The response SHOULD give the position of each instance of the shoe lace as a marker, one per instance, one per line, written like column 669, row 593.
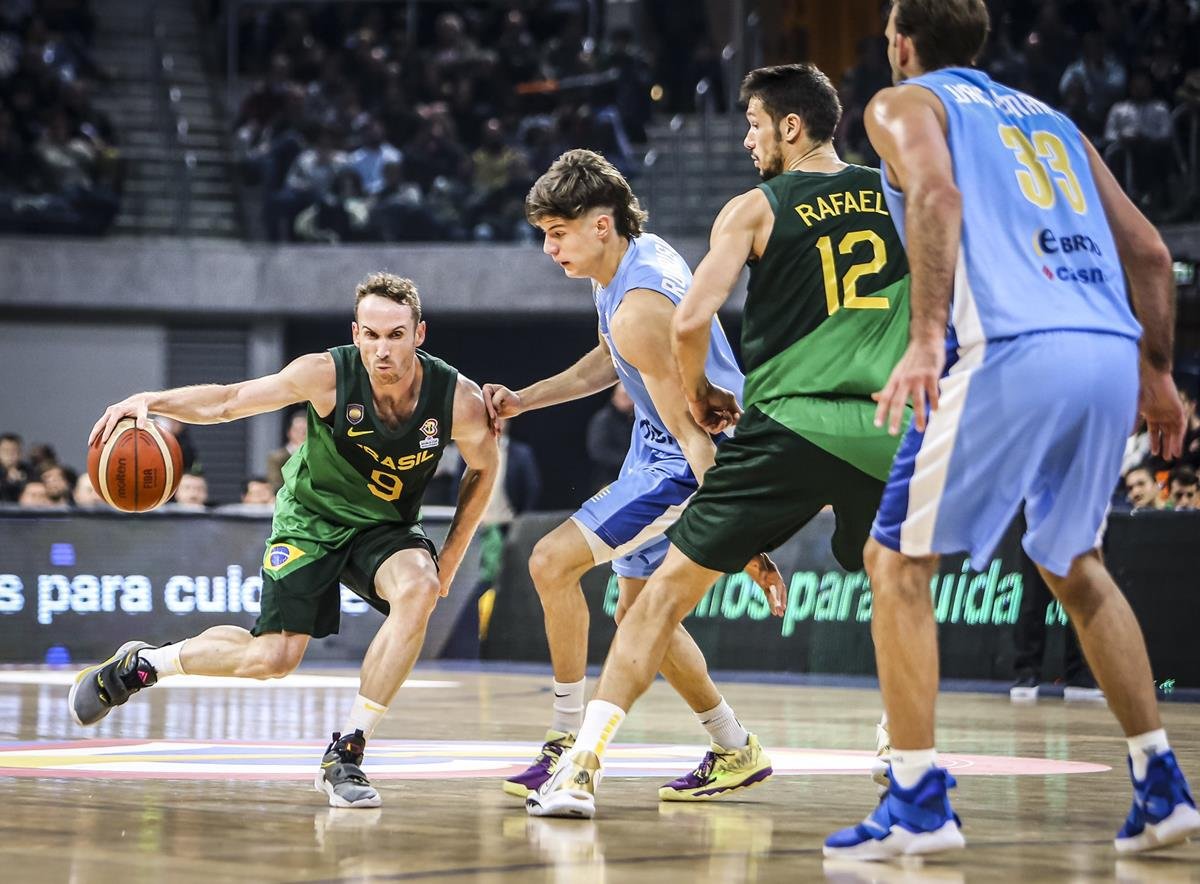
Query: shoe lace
column 704, row 769
column 551, row 752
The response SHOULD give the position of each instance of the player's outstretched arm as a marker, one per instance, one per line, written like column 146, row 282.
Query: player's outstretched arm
column 905, row 127
column 477, row 444
column 591, row 374
column 737, row 235
column 1147, row 263
column 310, row 378
column 641, row 330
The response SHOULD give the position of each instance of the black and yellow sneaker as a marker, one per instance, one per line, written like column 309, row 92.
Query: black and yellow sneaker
column 99, row 688
column 341, row 776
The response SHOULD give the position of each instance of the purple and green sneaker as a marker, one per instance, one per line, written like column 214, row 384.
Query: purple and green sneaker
column 720, row 772
column 531, row 779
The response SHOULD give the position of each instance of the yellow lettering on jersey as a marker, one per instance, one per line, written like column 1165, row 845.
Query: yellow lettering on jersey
column 851, row 205
column 388, row 462
column 807, row 215
column 368, row 450
column 826, row 209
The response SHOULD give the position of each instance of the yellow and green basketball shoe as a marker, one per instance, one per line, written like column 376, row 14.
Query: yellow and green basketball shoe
column 720, row 772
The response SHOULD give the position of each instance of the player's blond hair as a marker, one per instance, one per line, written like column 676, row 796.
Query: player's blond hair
column 582, row 180
column 394, row 288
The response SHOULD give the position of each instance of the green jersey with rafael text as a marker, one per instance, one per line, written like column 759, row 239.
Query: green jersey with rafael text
column 354, row 471
column 827, row 312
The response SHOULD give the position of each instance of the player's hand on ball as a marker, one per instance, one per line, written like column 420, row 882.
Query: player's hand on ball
column 765, row 573
column 136, row 407
column 716, row 409
column 915, row 377
column 501, row 403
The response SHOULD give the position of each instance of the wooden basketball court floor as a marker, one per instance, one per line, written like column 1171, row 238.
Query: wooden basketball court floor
column 191, row 783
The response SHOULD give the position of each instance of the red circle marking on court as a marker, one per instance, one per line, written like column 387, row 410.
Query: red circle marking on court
column 432, row 759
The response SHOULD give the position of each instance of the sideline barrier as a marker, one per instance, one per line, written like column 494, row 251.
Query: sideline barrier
column 86, row 582
column 1155, row 558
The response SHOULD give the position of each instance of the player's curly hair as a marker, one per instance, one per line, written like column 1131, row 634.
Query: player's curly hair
column 582, row 180
column 394, row 288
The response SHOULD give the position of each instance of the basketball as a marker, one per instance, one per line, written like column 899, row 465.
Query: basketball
column 136, row 470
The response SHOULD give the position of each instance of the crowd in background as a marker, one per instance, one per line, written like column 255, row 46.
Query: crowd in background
column 353, row 130
column 1120, row 70
column 59, row 166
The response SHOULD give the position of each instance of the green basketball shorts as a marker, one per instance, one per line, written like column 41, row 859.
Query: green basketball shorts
column 300, row 591
column 767, row 483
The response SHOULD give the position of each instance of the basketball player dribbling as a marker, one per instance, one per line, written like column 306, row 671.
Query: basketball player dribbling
column 380, row 414
column 1024, row 367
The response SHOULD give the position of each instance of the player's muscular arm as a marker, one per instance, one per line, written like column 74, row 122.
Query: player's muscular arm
column 641, row 328
column 591, row 374
column 737, row 236
column 478, row 447
column 310, row 378
column 1147, row 263
column 905, row 126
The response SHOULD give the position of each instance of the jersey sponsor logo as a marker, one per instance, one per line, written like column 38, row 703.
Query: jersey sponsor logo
column 430, row 429
column 653, row 434
column 1047, row 243
column 407, row 462
column 355, row 413
column 354, row 432
column 280, row 555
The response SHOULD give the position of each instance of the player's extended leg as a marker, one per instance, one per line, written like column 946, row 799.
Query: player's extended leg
column 1164, row 811
column 636, row 656
column 219, row 650
column 914, row 816
column 408, row 582
column 735, row 759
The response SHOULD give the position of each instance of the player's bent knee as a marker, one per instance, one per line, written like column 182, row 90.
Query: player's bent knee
column 277, row 659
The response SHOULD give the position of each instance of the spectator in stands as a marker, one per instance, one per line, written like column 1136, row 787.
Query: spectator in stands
column 41, row 456
column 34, row 496
column 608, row 432
column 500, row 180
column 370, row 159
column 1142, row 491
column 59, row 482
column 1185, row 489
column 1191, row 434
column 296, row 433
column 1099, row 72
column 14, row 472
column 192, row 492
column 310, row 180
column 257, row 491
column 1142, row 125
column 84, row 495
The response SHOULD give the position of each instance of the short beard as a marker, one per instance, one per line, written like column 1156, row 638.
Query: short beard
column 772, row 165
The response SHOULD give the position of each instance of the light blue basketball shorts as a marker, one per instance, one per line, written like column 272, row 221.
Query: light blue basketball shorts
column 1039, row 419
column 624, row 522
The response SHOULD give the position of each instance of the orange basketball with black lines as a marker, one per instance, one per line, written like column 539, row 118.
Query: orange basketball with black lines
column 136, row 470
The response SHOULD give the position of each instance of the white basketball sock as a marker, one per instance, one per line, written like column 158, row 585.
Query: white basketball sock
column 600, row 722
column 165, row 660
column 909, row 765
column 1145, row 746
column 723, row 727
column 365, row 716
column 568, row 706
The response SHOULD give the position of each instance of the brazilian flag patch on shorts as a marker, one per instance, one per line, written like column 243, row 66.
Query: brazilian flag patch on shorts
column 280, row 555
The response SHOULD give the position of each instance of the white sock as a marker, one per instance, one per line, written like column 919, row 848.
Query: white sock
column 724, row 728
column 909, row 765
column 568, row 706
column 1145, row 746
column 365, row 716
column 165, row 660
column 600, row 722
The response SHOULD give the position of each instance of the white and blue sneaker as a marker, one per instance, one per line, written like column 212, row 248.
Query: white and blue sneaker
column 906, row 822
column 1163, row 812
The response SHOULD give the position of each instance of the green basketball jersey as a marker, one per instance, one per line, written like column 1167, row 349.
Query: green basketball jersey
column 355, row 472
column 826, row 317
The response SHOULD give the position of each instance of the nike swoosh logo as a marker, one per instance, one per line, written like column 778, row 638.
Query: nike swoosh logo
column 557, row 694
column 353, row 432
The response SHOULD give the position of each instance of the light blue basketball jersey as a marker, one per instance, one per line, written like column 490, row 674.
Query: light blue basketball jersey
column 651, row 263
column 1037, row 252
